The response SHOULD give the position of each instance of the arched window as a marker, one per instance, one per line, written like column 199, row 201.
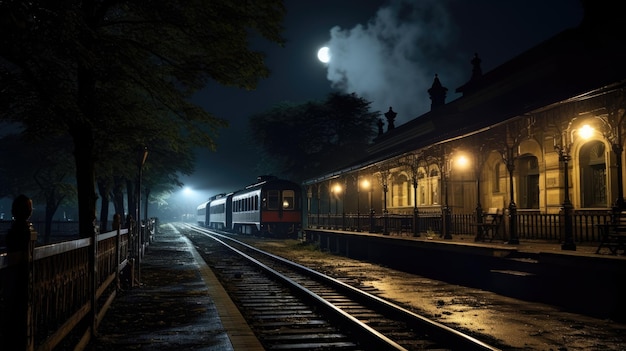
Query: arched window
column 434, row 186
column 593, row 174
column 497, row 176
column 528, row 184
column 421, row 194
column 399, row 187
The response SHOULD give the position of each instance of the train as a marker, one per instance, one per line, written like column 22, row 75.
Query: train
column 270, row 207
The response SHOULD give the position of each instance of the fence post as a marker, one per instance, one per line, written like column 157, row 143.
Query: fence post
column 93, row 281
column 118, row 249
column 20, row 241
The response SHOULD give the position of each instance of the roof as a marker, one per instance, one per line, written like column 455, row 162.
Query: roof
column 573, row 63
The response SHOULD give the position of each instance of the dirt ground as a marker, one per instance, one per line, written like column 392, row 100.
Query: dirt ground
column 511, row 323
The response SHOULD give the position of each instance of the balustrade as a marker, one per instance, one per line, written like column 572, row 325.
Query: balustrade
column 530, row 225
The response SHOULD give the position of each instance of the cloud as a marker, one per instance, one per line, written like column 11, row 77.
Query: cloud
column 392, row 60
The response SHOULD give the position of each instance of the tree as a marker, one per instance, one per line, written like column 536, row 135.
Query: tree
column 90, row 68
column 43, row 169
column 300, row 140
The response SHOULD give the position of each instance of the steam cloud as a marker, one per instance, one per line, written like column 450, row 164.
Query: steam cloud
column 393, row 59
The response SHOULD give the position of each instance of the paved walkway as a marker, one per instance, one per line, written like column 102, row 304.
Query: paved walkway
column 179, row 305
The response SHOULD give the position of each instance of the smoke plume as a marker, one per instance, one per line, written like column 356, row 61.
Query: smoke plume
column 392, row 60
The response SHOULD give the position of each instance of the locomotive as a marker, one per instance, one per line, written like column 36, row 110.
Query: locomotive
column 269, row 207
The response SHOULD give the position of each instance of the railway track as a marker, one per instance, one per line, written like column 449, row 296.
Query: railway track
column 291, row 307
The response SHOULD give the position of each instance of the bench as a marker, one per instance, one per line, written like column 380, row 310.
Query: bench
column 613, row 234
column 490, row 226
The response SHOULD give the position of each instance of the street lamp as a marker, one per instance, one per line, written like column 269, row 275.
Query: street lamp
column 411, row 164
column 365, row 183
column 358, row 204
column 336, row 190
column 309, row 195
column 384, row 182
column 478, row 164
column 319, row 204
column 562, row 145
column 446, row 215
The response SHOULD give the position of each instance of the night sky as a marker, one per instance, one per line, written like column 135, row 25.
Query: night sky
column 385, row 51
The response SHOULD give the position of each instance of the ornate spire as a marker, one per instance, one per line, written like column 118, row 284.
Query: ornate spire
column 391, row 116
column 477, row 72
column 380, row 126
column 437, row 93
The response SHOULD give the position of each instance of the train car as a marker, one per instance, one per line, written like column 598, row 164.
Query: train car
column 271, row 207
column 219, row 212
column 202, row 213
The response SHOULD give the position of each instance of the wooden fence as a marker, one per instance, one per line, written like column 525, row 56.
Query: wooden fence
column 71, row 285
column 529, row 225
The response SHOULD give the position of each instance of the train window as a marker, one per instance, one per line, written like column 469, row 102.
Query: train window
column 273, row 198
column 288, row 199
column 256, row 202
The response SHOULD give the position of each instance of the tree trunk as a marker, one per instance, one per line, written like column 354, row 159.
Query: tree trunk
column 104, row 188
column 118, row 196
column 85, row 178
column 132, row 199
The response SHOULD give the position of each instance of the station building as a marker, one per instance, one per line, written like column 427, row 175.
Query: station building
column 539, row 139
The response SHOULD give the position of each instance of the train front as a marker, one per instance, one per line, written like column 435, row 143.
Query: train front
column 281, row 210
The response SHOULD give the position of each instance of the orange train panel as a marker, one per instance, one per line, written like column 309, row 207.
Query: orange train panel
column 272, row 216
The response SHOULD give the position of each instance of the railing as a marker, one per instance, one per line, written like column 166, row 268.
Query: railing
column 530, row 226
column 73, row 283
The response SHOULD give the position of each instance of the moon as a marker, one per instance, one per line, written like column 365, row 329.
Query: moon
column 323, row 54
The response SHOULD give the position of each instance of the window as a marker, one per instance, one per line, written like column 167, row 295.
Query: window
column 273, row 198
column 528, row 187
column 434, row 186
column 399, row 190
column 288, row 199
column 497, row 175
column 593, row 175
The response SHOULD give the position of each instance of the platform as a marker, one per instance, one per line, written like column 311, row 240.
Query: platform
column 179, row 305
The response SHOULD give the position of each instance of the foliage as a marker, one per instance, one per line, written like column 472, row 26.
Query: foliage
column 44, row 170
column 298, row 141
column 118, row 75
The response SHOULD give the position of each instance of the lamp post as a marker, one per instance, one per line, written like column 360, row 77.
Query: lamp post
column 445, row 210
column 367, row 185
column 510, row 166
column 509, row 154
column 309, row 195
column 319, row 204
column 479, row 208
column 562, row 145
column 411, row 164
column 416, row 231
column 330, row 195
column 358, row 204
column 618, row 149
column 384, row 181
column 141, row 162
column 563, row 150
column 336, row 190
